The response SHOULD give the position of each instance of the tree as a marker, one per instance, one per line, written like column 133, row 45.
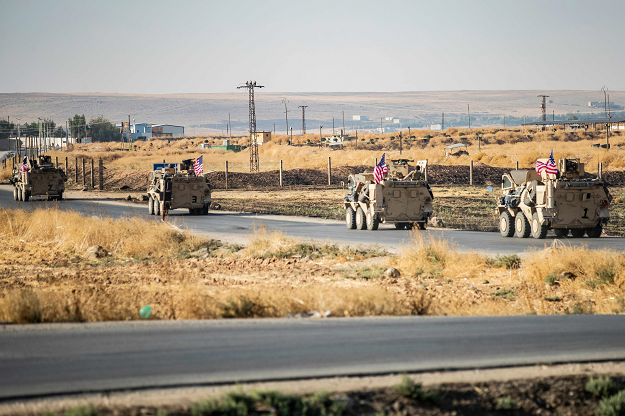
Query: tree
column 5, row 129
column 102, row 130
column 78, row 126
column 572, row 118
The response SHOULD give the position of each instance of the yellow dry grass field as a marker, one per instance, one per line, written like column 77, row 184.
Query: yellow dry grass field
column 497, row 147
column 46, row 275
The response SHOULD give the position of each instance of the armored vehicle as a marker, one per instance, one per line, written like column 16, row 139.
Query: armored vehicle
column 565, row 202
column 38, row 177
column 170, row 189
column 403, row 198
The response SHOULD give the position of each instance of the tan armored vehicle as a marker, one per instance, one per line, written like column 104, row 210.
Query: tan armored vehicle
column 566, row 201
column 170, row 189
column 38, row 177
column 403, row 198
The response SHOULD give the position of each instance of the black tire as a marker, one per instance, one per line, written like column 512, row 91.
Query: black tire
column 192, row 211
column 15, row 194
column 539, row 231
column 60, row 197
column 561, row 232
column 594, row 232
column 150, row 205
column 26, row 196
column 350, row 218
column 422, row 225
column 205, row 209
column 20, row 196
column 361, row 219
column 157, row 207
column 506, row 224
column 400, row 225
column 522, row 227
column 373, row 221
column 578, row 232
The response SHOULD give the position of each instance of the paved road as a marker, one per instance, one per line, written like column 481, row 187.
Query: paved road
column 54, row 359
column 237, row 226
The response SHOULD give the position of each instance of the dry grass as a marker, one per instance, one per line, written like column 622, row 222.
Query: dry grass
column 44, row 276
column 499, row 147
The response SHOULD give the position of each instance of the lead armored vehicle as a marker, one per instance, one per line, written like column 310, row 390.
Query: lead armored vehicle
column 403, row 198
column 39, row 177
column 564, row 202
column 171, row 189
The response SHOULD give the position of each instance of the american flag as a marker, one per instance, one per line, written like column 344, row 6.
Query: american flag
column 24, row 167
column 549, row 167
column 198, row 165
column 380, row 170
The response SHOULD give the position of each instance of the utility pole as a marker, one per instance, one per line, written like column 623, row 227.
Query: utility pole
column 286, row 115
column 253, row 145
column 129, row 135
column 605, row 100
column 333, row 126
column 607, row 141
column 543, row 106
column 343, row 132
column 303, row 107
column 381, row 128
column 356, row 144
column 320, row 136
column 400, row 144
column 443, row 122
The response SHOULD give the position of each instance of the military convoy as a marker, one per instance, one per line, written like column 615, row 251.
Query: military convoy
column 172, row 189
column 564, row 202
column 38, row 177
column 403, row 198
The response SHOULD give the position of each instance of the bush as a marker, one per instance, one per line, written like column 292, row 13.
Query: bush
column 511, row 261
column 410, row 389
column 601, row 387
column 506, row 403
column 612, row 406
column 552, row 279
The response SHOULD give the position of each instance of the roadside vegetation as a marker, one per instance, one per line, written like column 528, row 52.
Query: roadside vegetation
column 544, row 395
column 58, row 266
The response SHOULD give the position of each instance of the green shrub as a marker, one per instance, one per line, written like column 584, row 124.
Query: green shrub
column 511, row 261
column 507, row 294
column 552, row 279
column 612, row 406
column 82, row 411
column 506, row 403
column 601, row 387
column 410, row 389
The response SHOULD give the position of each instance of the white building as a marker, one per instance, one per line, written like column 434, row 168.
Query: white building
column 360, row 118
column 436, row 127
column 167, row 130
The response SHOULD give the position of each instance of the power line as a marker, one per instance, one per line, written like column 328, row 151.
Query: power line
column 543, row 106
column 303, row 107
column 253, row 144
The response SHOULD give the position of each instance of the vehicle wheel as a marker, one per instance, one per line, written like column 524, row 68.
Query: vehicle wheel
column 60, row 197
column 361, row 220
column 157, row 207
column 192, row 211
column 150, row 205
column 350, row 218
column 594, row 232
column 505, row 224
column 578, row 232
column 26, row 196
column 15, row 194
column 20, row 197
column 400, row 225
column 521, row 226
column 422, row 225
column 205, row 209
column 539, row 230
column 561, row 232
column 372, row 221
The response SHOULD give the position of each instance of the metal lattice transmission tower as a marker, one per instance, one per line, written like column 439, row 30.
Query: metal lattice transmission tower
column 543, row 106
column 253, row 144
column 303, row 107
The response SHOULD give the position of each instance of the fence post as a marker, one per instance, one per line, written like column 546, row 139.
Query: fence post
column 600, row 170
column 376, row 162
column 517, row 165
column 66, row 165
column 92, row 175
column 280, row 173
column 56, row 162
column 471, row 172
column 84, row 177
column 226, row 174
column 100, row 175
column 329, row 171
column 76, row 170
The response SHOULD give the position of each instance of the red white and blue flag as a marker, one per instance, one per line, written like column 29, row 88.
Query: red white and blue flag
column 549, row 167
column 198, row 165
column 24, row 167
column 380, row 170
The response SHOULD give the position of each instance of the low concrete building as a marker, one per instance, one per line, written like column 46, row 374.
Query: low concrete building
column 167, row 130
column 263, row 137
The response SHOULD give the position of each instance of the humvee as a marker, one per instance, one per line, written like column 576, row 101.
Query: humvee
column 564, row 202
column 403, row 198
column 170, row 189
column 39, row 178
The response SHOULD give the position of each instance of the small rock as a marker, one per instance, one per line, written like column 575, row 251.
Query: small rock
column 95, row 252
column 307, row 258
column 202, row 253
column 437, row 222
column 129, row 198
column 296, row 256
column 123, row 188
column 392, row 273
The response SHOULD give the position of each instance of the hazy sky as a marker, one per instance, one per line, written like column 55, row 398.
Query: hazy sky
column 183, row 46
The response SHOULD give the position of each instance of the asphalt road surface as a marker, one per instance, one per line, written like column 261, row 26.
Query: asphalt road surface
column 236, row 227
column 40, row 360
